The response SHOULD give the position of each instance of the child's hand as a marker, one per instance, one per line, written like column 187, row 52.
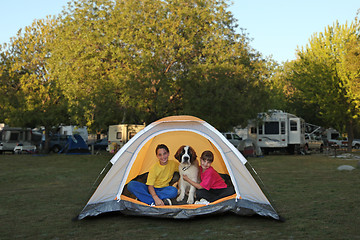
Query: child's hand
column 158, row 201
column 185, row 177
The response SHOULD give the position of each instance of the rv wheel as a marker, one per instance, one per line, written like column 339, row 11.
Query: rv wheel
column 291, row 149
column 265, row 151
column 56, row 149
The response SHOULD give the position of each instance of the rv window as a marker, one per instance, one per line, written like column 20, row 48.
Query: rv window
column 63, row 137
column 253, row 130
column 335, row 136
column 282, row 127
column 28, row 137
column 119, row 135
column 228, row 136
column 237, row 137
column 131, row 134
column 271, row 127
column 293, row 125
column 14, row 136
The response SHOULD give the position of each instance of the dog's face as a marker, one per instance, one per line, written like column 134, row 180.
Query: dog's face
column 186, row 155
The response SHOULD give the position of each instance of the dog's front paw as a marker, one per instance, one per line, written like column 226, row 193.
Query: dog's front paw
column 180, row 198
column 190, row 201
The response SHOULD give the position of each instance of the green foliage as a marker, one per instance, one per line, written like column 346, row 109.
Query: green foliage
column 32, row 97
column 321, row 85
column 276, row 87
column 145, row 55
column 223, row 95
column 8, row 87
column 82, row 64
column 137, row 61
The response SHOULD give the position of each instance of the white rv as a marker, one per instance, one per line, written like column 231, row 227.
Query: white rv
column 120, row 134
column 278, row 130
column 17, row 140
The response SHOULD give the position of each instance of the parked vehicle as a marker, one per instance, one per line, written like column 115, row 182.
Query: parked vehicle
column 332, row 138
column 15, row 139
column 356, row 144
column 57, row 142
column 344, row 142
column 314, row 142
column 101, row 144
column 233, row 138
column 21, row 148
column 278, row 130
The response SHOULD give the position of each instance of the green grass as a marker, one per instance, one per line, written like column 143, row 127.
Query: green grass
column 39, row 195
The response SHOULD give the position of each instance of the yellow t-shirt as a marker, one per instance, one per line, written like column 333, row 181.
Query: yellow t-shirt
column 161, row 175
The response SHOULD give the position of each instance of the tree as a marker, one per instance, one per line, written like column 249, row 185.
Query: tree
column 145, row 56
column 8, row 88
column 323, row 80
column 33, row 97
column 103, row 62
column 285, row 96
column 81, row 62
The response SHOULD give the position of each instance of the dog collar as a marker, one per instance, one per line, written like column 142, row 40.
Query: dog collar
column 185, row 168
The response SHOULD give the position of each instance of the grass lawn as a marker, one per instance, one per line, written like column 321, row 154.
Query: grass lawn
column 39, row 195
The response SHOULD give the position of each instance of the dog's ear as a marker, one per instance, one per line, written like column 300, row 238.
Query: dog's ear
column 193, row 154
column 179, row 151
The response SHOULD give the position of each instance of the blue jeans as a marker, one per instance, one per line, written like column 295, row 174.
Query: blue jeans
column 141, row 191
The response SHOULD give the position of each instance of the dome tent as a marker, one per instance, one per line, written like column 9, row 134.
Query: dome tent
column 75, row 145
column 137, row 156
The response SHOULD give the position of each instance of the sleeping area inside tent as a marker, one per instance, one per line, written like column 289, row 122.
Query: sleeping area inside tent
column 146, row 158
column 136, row 157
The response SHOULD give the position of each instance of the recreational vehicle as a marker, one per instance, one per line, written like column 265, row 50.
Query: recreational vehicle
column 278, row 130
column 14, row 139
column 335, row 139
column 120, row 134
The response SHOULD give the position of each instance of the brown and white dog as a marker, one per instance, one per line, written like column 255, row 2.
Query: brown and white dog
column 189, row 166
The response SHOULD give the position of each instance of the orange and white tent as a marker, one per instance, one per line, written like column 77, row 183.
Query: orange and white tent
column 138, row 155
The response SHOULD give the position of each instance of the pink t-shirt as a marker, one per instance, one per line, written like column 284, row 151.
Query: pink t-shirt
column 211, row 179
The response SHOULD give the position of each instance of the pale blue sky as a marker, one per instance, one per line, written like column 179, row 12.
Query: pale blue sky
column 277, row 27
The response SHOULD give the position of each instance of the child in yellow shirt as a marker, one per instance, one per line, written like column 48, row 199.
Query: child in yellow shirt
column 157, row 190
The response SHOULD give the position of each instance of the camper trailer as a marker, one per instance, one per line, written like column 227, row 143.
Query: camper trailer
column 278, row 130
column 16, row 140
column 120, row 134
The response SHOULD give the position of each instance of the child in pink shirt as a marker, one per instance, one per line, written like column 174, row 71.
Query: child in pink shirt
column 212, row 186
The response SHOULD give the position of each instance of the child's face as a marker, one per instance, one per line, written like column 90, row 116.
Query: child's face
column 163, row 156
column 205, row 164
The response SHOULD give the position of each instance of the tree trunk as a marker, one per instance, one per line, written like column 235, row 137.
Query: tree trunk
column 47, row 141
column 350, row 132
